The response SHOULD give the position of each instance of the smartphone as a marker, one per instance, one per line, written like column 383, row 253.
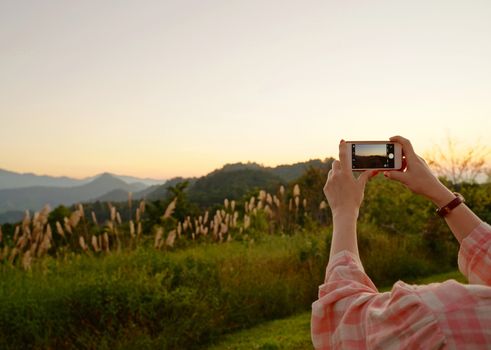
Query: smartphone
column 375, row 155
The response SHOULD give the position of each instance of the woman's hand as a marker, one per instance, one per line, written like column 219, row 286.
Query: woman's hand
column 343, row 192
column 418, row 177
column 345, row 195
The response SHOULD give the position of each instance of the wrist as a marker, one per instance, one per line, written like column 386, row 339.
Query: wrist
column 345, row 214
column 441, row 195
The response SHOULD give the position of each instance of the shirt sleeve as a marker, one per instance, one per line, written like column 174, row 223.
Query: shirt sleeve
column 344, row 287
column 351, row 314
column 475, row 255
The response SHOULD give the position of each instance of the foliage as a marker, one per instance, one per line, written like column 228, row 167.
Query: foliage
column 213, row 188
column 175, row 300
column 167, row 274
column 458, row 163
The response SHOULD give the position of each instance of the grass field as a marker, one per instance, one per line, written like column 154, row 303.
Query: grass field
column 294, row 332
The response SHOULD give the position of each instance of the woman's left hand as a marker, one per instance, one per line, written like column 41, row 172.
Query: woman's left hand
column 343, row 191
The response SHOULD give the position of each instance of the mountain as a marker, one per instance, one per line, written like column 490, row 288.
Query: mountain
column 35, row 197
column 233, row 181
column 292, row 172
column 232, row 184
column 10, row 179
column 287, row 172
column 160, row 192
column 146, row 182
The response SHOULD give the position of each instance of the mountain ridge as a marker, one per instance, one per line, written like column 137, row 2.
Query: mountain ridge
column 11, row 179
column 232, row 180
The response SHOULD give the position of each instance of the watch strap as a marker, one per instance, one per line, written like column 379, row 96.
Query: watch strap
column 445, row 210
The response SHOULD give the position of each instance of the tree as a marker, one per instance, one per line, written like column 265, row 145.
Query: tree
column 458, row 163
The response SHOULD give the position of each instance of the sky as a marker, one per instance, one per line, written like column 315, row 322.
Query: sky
column 179, row 88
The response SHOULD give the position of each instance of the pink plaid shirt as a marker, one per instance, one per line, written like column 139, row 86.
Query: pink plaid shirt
column 351, row 314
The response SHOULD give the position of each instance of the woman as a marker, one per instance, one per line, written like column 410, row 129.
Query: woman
column 351, row 314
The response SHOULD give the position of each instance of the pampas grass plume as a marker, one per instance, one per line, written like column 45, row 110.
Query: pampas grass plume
column 170, row 209
column 132, row 229
column 26, row 260
column 95, row 244
column 158, row 237
column 171, row 238
column 296, row 190
column 81, row 241
column 94, row 219
column 59, row 229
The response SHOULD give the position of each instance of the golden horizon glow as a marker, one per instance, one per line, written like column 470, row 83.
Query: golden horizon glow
column 181, row 88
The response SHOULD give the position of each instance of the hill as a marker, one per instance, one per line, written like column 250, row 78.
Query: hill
column 213, row 188
column 35, row 197
column 233, row 181
column 10, row 179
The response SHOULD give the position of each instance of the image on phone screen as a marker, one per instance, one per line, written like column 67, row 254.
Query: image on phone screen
column 370, row 156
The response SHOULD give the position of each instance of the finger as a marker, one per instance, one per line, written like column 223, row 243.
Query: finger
column 343, row 155
column 396, row 175
column 336, row 166
column 407, row 147
column 365, row 176
column 329, row 175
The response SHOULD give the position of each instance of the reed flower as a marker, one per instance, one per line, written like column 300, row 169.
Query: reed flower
column 118, row 218
column 297, row 202
column 75, row 219
column 95, row 244
column 170, row 209
column 142, row 207
column 81, row 241
column 26, row 260
column 16, row 233
column 262, row 195
column 158, row 237
column 171, row 238
column 276, row 201
column 94, row 219
column 113, row 213
column 282, row 190
column 296, row 190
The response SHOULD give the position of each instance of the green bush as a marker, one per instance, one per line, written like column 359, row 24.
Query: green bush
column 151, row 299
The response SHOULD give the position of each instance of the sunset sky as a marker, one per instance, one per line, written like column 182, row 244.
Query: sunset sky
column 179, row 88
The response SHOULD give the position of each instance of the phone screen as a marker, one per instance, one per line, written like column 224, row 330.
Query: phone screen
column 371, row 156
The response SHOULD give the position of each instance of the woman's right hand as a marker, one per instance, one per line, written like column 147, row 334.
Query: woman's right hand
column 418, row 177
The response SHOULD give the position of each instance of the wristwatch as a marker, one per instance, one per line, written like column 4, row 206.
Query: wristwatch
column 445, row 210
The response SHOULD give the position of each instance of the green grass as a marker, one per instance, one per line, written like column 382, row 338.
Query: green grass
column 294, row 332
column 288, row 333
column 148, row 299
